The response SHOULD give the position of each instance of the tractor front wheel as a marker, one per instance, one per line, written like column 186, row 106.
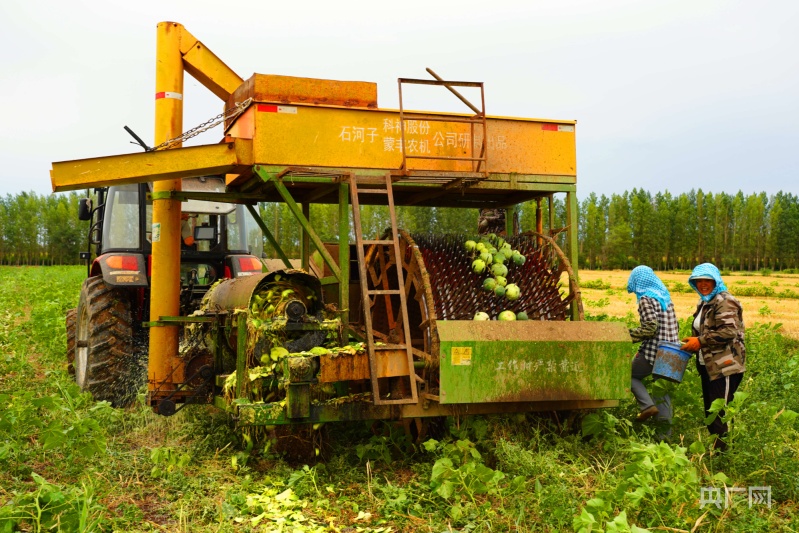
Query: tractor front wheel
column 107, row 361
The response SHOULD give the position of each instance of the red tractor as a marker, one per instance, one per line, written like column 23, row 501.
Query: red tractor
column 106, row 340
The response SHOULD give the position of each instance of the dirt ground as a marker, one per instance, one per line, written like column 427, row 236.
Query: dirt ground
column 617, row 302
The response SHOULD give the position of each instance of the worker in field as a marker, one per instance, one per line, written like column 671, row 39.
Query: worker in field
column 718, row 340
column 658, row 324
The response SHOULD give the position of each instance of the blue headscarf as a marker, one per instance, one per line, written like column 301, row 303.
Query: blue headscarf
column 644, row 282
column 707, row 270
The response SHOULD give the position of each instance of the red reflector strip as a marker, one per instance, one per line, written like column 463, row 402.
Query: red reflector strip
column 249, row 264
column 558, row 127
column 268, row 108
column 167, row 94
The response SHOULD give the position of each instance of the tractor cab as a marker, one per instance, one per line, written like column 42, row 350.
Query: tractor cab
column 218, row 240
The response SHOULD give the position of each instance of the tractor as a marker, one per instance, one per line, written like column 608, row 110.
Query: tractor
column 107, row 344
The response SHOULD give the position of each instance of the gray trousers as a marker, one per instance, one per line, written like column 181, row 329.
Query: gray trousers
column 641, row 368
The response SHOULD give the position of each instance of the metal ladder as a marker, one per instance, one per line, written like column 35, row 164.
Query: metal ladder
column 384, row 186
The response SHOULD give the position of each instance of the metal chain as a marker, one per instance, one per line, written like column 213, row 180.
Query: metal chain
column 237, row 110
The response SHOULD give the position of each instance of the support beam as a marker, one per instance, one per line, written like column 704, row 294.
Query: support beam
column 571, row 222
column 171, row 165
column 165, row 370
column 539, row 220
column 344, row 251
column 206, row 67
column 305, row 247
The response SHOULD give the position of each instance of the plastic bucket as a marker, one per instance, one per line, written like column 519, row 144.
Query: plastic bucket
column 670, row 362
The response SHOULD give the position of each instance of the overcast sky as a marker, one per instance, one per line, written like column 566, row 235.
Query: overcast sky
column 668, row 95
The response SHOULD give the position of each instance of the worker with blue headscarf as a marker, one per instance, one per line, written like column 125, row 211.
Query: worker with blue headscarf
column 718, row 340
column 658, row 324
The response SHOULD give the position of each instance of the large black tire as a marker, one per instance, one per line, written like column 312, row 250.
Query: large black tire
column 107, row 362
column 71, row 317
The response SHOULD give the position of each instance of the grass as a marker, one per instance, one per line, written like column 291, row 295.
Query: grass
column 68, row 463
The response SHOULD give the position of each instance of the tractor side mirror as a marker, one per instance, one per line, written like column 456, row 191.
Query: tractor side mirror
column 85, row 209
column 205, row 233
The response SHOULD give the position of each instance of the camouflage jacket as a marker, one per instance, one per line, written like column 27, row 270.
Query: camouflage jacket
column 721, row 335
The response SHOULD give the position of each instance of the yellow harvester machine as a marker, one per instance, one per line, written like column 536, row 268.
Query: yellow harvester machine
column 384, row 330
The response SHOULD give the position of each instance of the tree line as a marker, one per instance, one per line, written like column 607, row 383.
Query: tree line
column 41, row 229
column 664, row 231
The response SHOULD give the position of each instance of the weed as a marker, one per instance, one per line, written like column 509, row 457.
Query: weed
column 51, row 507
column 167, row 460
column 595, row 284
column 602, row 302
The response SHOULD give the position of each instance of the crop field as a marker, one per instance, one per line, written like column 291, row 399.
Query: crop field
column 771, row 299
column 68, row 463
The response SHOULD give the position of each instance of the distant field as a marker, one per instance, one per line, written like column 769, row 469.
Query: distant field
column 782, row 307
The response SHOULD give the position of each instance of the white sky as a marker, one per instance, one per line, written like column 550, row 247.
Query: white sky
column 668, row 95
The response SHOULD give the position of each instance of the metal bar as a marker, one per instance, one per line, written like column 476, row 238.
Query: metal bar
column 266, row 413
column 534, row 187
column 404, row 166
column 571, row 222
column 178, row 320
column 320, row 173
column 449, row 84
column 305, row 247
column 417, row 81
column 295, row 209
column 344, row 252
column 230, row 198
column 476, row 167
column 484, row 148
column 241, row 352
column 271, row 238
column 206, row 67
column 539, row 220
column 442, row 119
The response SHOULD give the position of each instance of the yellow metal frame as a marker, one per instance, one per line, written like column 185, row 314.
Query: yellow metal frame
column 177, row 51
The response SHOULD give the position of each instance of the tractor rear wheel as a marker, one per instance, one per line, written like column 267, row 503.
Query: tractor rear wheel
column 107, row 361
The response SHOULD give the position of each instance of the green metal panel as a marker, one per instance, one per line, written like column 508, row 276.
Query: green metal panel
column 526, row 361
